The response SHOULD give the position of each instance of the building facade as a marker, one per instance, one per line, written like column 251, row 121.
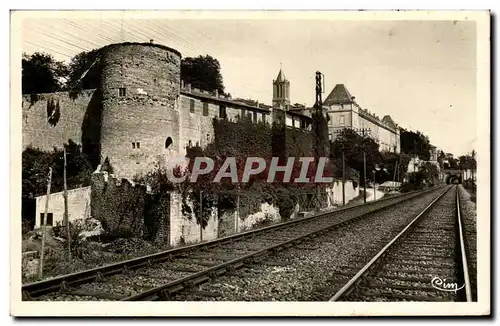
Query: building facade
column 345, row 113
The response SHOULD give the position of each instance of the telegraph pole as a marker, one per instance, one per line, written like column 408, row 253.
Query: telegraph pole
column 318, row 107
column 319, row 90
column 201, row 216
column 44, row 222
column 343, row 177
column 364, row 132
column 374, row 192
column 66, row 219
column 237, row 219
column 343, row 166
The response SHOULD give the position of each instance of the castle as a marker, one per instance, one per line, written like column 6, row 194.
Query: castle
column 142, row 113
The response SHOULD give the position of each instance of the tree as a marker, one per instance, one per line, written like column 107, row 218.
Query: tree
column 452, row 163
column 430, row 172
column 353, row 145
column 202, row 72
column 78, row 76
column 42, row 74
column 36, row 165
column 415, row 143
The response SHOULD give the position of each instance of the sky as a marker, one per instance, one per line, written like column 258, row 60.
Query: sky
column 421, row 73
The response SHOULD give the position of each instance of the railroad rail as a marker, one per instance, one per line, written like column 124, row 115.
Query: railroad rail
column 426, row 261
column 160, row 266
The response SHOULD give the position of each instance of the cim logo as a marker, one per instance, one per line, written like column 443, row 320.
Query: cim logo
column 441, row 284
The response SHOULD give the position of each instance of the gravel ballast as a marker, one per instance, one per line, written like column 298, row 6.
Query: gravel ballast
column 469, row 216
column 313, row 274
column 121, row 285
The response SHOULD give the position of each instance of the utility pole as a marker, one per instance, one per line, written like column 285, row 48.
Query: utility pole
column 318, row 107
column 343, row 166
column 66, row 219
column 364, row 175
column 364, row 131
column 343, row 177
column 44, row 222
column 237, row 218
column 201, row 216
column 319, row 90
column 394, row 176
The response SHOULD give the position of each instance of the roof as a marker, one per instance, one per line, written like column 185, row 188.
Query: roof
column 110, row 46
column 339, row 95
column 252, row 103
column 388, row 120
column 281, row 76
column 300, row 110
column 239, row 102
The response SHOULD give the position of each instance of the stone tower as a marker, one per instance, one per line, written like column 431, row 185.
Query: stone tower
column 281, row 91
column 140, row 85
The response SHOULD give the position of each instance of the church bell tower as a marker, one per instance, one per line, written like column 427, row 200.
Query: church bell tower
column 281, row 91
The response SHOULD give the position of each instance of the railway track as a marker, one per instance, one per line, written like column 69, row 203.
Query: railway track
column 162, row 275
column 426, row 261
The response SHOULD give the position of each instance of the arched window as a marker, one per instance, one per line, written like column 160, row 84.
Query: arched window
column 168, row 142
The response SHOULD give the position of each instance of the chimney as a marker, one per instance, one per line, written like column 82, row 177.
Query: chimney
column 182, row 83
column 216, row 93
column 257, row 103
column 151, row 41
column 188, row 86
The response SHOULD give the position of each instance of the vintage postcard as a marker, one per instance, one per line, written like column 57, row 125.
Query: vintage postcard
column 250, row 163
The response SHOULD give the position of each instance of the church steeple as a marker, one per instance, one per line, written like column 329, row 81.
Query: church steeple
column 281, row 91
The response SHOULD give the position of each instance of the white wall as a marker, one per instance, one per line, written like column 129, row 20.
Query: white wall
column 335, row 193
column 182, row 226
column 78, row 205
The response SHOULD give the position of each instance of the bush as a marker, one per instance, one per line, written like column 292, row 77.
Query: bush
column 25, row 227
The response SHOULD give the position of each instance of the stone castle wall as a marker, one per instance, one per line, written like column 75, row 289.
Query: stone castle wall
column 39, row 133
column 140, row 90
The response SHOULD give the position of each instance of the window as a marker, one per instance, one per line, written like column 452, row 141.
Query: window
column 302, row 124
column 243, row 113
column 133, row 145
column 122, row 92
column 138, row 145
column 263, row 117
column 50, row 218
column 191, row 105
column 222, row 112
column 342, row 120
column 205, row 108
column 293, row 122
column 254, row 116
column 168, row 142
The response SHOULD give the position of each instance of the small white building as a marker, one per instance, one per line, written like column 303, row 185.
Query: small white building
column 78, row 206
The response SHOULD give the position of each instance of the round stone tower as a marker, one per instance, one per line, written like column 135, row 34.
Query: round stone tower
column 140, row 85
